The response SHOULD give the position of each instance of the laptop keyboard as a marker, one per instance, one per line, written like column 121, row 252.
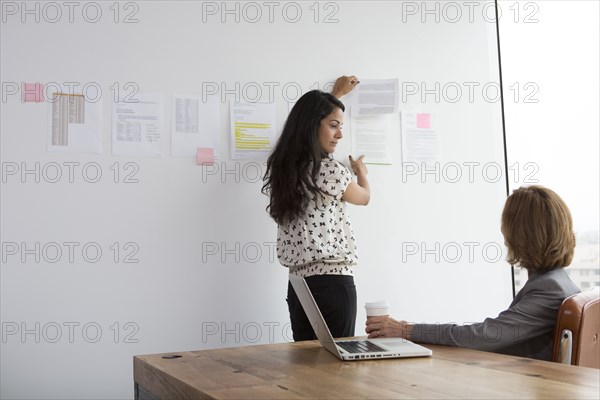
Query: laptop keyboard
column 359, row 346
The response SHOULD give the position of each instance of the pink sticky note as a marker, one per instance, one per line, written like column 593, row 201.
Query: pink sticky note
column 205, row 156
column 423, row 121
column 32, row 92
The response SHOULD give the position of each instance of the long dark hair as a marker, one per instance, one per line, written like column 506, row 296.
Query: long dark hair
column 287, row 181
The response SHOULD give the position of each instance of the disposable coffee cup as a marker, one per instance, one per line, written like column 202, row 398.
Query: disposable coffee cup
column 377, row 308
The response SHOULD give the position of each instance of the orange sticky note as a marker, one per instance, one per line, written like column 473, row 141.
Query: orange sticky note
column 32, row 92
column 423, row 121
column 205, row 156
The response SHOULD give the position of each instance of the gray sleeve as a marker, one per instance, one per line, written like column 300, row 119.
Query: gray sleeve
column 532, row 316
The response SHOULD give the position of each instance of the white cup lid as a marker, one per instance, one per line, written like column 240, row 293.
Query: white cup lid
column 377, row 304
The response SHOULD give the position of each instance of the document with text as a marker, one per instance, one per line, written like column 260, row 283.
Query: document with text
column 252, row 130
column 376, row 96
column 420, row 137
column 371, row 137
column 75, row 125
column 194, row 125
column 138, row 126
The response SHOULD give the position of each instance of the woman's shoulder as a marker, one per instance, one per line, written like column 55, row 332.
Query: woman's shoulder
column 554, row 281
column 330, row 166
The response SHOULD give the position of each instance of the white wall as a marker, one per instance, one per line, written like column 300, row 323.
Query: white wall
column 177, row 294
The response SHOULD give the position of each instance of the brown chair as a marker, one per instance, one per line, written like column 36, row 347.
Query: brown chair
column 576, row 339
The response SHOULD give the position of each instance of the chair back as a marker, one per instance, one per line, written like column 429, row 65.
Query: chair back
column 576, row 340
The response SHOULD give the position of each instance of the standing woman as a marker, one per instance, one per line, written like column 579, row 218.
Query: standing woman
column 308, row 191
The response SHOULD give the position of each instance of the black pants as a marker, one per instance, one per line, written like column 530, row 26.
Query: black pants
column 336, row 297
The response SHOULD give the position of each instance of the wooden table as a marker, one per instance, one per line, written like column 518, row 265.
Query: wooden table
column 306, row 370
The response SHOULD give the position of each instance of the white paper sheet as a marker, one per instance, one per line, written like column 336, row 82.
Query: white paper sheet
column 420, row 137
column 371, row 137
column 252, row 130
column 138, row 127
column 376, row 96
column 194, row 124
column 74, row 124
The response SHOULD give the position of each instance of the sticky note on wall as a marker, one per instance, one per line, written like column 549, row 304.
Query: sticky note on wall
column 423, row 121
column 205, row 156
column 32, row 92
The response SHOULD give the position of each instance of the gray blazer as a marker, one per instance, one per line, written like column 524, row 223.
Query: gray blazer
column 526, row 329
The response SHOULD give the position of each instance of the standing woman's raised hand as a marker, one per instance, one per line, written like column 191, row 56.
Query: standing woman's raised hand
column 358, row 166
column 344, row 85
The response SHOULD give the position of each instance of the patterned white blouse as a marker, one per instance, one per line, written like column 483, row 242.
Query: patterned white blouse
column 322, row 241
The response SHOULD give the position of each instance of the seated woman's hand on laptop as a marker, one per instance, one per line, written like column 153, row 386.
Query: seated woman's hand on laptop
column 384, row 326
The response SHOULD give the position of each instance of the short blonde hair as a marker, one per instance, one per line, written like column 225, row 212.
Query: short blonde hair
column 538, row 229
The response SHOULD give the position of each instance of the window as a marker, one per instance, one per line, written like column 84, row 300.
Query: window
column 549, row 53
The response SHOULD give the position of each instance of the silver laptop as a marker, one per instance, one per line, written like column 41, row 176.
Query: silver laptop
column 352, row 349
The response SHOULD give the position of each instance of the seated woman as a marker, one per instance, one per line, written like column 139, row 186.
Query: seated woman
column 538, row 231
